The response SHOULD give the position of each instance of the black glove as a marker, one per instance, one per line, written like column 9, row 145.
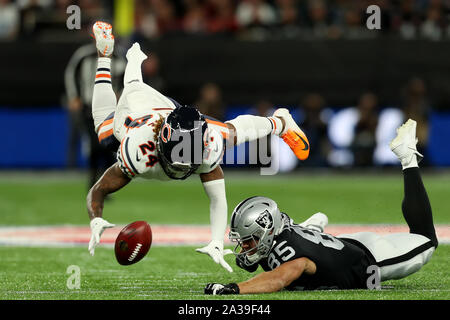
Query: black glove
column 217, row 288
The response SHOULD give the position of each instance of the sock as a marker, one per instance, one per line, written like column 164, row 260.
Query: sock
column 133, row 71
column 416, row 206
column 412, row 163
column 104, row 99
column 250, row 128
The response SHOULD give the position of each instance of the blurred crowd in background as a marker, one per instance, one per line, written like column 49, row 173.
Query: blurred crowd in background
column 357, row 135
column 248, row 19
column 354, row 136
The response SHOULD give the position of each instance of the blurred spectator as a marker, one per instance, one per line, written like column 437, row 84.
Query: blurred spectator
column 288, row 17
column 355, row 24
column 251, row 13
column 156, row 18
column 407, row 19
column 352, row 132
column 9, row 20
column 314, row 123
column 431, row 28
column 364, row 140
column 221, row 16
column 210, row 101
column 318, row 19
column 417, row 107
column 79, row 81
column 194, row 19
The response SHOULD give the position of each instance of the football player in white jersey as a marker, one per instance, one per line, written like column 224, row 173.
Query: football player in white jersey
column 149, row 131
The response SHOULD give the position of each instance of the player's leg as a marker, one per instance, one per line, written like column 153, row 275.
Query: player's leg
column 401, row 254
column 138, row 97
column 317, row 221
column 416, row 206
column 104, row 99
column 396, row 255
column 249, row 128
column 133, row 72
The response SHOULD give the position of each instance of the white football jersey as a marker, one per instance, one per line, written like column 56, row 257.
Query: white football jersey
column 138, row 109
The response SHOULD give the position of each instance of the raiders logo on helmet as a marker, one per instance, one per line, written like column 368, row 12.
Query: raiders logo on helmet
column 265, row 220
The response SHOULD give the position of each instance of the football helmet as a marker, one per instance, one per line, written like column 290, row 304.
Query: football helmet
column 181, row 142
column 255, row 219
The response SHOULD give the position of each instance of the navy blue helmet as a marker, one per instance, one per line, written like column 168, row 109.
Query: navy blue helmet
column 180, row 142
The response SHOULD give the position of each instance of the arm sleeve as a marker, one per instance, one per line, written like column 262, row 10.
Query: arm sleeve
column 217, row 208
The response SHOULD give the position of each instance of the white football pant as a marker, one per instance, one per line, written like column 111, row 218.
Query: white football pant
column 397, row 255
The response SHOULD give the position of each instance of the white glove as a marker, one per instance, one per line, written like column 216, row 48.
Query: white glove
column 215, row 250
column 216, row 287
column 98, row 225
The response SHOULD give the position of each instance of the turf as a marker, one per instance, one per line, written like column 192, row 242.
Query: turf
column 179, row 272
column 344, row 198
column 175, row 273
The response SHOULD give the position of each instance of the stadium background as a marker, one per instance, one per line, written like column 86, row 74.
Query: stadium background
column 317, row 58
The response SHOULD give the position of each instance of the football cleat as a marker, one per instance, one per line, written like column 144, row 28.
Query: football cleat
column 317, row 221
column 404, row 144
column 292, row 135
column 135, row 53
column 104, row 39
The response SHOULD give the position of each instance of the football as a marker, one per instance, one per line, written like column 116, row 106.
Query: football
column 133, row 242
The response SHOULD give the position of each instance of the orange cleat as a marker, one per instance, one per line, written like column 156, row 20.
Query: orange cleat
column 292, row 135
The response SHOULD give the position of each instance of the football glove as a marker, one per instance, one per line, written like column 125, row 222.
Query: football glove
column 215, row 250
column 98, row 225
column 217, row 288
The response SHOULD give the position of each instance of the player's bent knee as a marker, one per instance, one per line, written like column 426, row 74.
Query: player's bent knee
column 406, row 268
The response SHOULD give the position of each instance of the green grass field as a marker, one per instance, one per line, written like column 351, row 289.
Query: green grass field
column 179, row 272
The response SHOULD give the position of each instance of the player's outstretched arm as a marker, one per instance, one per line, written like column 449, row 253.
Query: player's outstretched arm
column 112, row 180
column 214, row 185
column 265, row 282
column 279, row 277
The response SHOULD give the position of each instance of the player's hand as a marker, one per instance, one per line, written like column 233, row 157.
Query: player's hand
column 217, row 288
column 98, row 225
column 215, row 250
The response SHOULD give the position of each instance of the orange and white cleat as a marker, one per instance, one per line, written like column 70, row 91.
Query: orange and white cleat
column 104, row 39
column 292, row 135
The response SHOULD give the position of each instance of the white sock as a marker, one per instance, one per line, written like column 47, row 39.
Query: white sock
column 133, row 71
column 412, row 163
column 250, row 128
column 104, row 99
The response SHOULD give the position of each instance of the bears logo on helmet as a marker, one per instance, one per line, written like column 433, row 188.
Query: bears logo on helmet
column 181, row 142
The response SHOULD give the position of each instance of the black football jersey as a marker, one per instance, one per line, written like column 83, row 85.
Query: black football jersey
column 340, row 264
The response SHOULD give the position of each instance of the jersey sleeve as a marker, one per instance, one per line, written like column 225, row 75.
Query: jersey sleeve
column 125, row 160
column 213, row 151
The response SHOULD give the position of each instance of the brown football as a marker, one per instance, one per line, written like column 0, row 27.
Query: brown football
column 133, row 242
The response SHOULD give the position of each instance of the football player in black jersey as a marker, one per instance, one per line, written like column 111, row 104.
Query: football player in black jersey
column 299, row 258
